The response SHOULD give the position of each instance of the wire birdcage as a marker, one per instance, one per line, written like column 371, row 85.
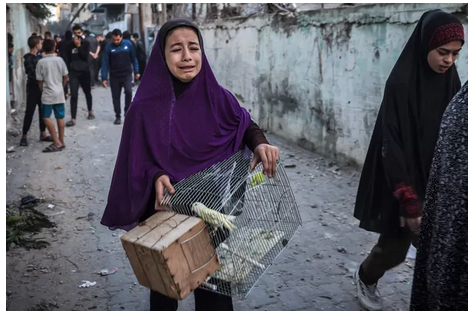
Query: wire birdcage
column 266, row 218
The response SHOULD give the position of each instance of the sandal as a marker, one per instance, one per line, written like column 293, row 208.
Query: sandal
column 52, row 148
column 24, row 142
column 70, row 123
column 48, row 139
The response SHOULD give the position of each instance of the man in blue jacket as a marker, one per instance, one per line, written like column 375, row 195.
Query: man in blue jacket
column 118, row 59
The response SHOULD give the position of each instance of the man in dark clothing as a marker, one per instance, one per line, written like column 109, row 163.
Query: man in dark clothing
column 77, row 62
column 140, row 54
column 118, row 59
column 102, row 47
column 57, row 40
column 93, row 53
column 33, row 93
column 62, row 48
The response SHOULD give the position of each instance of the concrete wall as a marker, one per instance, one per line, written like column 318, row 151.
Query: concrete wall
column 21, row 25
column 317, row 79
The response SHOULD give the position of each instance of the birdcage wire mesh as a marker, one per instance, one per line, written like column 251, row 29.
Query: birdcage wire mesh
column 266, row 218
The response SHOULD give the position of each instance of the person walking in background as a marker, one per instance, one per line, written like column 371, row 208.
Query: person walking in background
column 77, row 62
column 93, row 54
column 394, row 177
column 140, row 54
column 107, row 40
column 39, row 53
column 63, row 47
column 97, row 63
column 52, row 75
column 33, row 93
column 11, row 61
column 118, row 59
column 47, row 35
column 151, row 41
column 128, row 36
column 57, row 40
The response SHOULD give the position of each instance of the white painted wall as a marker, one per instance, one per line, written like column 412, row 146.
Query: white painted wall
column 317, row 80
column 122, row 25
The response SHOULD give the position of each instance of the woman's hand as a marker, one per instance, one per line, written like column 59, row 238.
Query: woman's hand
column 412, row 223
column 162, row 184
column 268, row 155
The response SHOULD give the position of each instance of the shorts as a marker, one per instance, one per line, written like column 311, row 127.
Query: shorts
column 59, row 110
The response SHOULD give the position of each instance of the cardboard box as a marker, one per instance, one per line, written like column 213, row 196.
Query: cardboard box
column 171, row 253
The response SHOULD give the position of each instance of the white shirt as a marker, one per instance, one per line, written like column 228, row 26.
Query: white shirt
column 51, row 69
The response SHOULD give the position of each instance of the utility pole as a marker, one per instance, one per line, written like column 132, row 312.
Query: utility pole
column 164, row 14
column 142, row 24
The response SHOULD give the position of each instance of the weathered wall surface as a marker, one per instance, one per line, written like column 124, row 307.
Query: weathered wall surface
column 21, row 25
column 317, row 79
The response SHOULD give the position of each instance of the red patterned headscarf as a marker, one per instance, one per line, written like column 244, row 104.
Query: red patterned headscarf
column 446, row 34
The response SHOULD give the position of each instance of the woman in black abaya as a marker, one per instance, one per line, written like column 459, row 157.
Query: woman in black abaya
column 394, row 178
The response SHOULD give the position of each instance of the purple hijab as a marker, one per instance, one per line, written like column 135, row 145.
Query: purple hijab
column 178, row 136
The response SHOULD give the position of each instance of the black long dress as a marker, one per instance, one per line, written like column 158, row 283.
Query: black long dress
column 399, row 157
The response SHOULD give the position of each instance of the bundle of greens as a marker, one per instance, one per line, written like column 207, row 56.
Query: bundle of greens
column 24, row 222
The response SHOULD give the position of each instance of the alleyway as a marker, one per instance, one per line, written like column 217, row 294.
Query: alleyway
column 313, row 273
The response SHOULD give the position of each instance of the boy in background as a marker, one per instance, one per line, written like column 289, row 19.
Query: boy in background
column 52, row 75
column 33, row 93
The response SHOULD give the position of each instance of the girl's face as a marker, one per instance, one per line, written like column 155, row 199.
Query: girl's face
column 183, row 54
column 443, row 57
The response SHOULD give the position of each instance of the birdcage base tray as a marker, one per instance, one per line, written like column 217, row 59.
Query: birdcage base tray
column 239, row 260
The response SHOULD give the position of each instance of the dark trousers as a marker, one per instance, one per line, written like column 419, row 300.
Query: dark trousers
column 205, row 300
column 116, row 84
column 93, row 71
column 390, row 251
column 33, row 99
column 141, row 67
column 78, row 79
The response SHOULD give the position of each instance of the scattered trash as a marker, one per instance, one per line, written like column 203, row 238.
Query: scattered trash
column 51, row 206
column 342, row 250
column 11, row 149
column 318, row 256
column 108, row 271
column 9, row 172
column 290, row 166
column 14, row 132
column 87, row 284
column 73, row 271
column 58, row 213
column 92, row 228
column 45, row 271
column 90, row 215
column 59, row 168
column 90, row 198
